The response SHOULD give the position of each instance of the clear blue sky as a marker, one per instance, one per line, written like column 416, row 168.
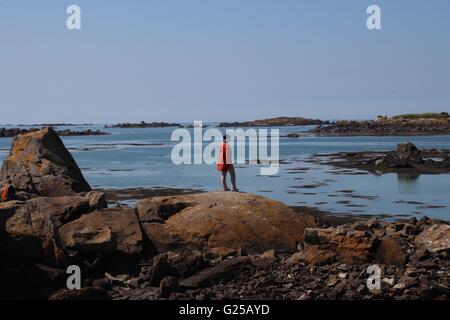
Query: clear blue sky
column 221, row 60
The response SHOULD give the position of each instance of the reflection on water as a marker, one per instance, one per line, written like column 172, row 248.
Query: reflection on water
column 407, row 177
column 408, row 183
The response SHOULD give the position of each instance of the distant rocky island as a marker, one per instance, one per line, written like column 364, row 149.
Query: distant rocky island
column 59, row 124
column 12, row 132
column 143, row 124
column 275, row 122
column 408, row 125
column 407, row 159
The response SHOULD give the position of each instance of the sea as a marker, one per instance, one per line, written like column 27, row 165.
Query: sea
column 141, row 158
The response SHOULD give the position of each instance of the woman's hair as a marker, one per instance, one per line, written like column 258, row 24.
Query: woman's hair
column 224, row 137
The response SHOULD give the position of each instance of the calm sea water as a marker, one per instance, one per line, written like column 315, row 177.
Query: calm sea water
column 141, row 158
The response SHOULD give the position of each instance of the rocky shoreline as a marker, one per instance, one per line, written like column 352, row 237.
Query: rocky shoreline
column 407, row 159
column 208, row 245
column 12, row 132
column 385, row 127
column 143, row 124
column 275, row 122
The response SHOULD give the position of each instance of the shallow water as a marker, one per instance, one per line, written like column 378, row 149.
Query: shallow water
column 141, row 158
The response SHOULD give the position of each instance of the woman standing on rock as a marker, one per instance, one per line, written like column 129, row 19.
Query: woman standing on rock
column 224, row 165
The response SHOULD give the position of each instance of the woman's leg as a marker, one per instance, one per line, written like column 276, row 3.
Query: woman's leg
column 224, row 181
column 233, row 178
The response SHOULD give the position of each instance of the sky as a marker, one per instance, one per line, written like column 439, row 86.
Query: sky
column 221, row 60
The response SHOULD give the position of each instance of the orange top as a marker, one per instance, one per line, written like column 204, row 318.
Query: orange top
column 225, row 158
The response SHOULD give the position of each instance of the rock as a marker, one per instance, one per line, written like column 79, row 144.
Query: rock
column 24, row 196
column 32, row 228
column 160, row 270
column 134, row 283
column 97, row 200
column 343, row 244
column 389, row 281
column 40, row 163
column 222, row 219
column 378, row 162
column 186, row 263
column 118, row 279
column 435, row 238
column 293, row 135
column 269, row 254
column 95, row 232
column 27, row 281
column 12, row 132
column 294, row 259
column 160, row 239
column 7, row 210
column 406, row 148
column 223, row 252
column 89, row 240
column 390, row 252
column 167, row 286
column 102, row 283
column 88, row 293
column 408, row 154
column 387, row 127
column 275, row 122
column 223, row 271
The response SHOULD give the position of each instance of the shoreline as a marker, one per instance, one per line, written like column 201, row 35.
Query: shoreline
column 384, row 127
column 128, row 197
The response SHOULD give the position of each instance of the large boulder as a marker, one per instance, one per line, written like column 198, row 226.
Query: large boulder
column 408, row 153
column 343, row 244
column 220, row 219
column 406, row 156
column 114, row 230
column 40, row 163
column 31, row 228
column 435, row 238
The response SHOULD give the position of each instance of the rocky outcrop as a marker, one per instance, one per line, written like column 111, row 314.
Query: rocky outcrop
column 359, row 243
column 389, row 127
column 39, row 163
column 114, row 230
column 12, row 132
column 144, row 124
column 407, row 158
column 276, row 122
column 407, row 270
column 435, row 238
column 30, row 229
column 88, row 132
column 325, row 246
column 221, row 219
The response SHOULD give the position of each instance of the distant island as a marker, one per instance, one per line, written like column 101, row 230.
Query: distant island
column 408, row 125
column 12, row 132
column 429, row 115
column 143, row 124
column 53, row 125
column 275, row 122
